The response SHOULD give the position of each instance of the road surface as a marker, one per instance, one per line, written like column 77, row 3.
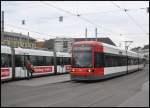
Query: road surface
column 128, row 90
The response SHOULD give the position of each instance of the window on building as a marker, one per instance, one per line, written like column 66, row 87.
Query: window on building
column 65, row 44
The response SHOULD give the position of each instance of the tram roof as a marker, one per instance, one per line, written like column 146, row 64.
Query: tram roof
column 5, row 49
column 23, row 51
column 95, row 43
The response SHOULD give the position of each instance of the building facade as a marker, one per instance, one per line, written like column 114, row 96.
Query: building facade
column 17, row 40
column 40, row 44
column 65, row 44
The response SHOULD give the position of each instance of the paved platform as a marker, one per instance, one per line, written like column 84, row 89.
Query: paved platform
column 42, row 80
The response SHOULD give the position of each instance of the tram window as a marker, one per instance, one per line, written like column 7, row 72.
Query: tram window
column 34, row 60
column 9, row 60
column 132, row 61
column 115, row 60
column 40, row 61
column 98, row 58
column 44, row 61
column 108, row 61
column 64, row 60
column 59, row 61
column 18, row 62
column 135, row 61
column 141, row 61
column 124, row 61
column 49, row 61
column 52, row 60
column 129, row 61
column 112, row 60
column 37, row 60
column 67, row 61
column 5, row 60
column 120, row 60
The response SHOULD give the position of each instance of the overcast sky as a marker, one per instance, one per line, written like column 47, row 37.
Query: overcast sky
column 41, row 19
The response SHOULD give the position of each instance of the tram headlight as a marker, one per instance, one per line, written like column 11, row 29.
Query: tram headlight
column 90, row 70
column 72, row 70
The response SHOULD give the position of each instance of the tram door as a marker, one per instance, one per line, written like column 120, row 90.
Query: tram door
column 21, row 71
column 60, row 65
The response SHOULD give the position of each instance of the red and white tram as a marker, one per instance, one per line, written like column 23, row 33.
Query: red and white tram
column 41, row 60
column 93, row 60
column 13, row 62
column 63, row 62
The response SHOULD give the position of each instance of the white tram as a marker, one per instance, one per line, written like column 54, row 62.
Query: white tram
column 44, row 62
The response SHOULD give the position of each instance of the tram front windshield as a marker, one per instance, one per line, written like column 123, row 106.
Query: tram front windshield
column 82, row 57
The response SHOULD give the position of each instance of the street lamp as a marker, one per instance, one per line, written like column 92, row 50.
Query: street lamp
column 126, row 48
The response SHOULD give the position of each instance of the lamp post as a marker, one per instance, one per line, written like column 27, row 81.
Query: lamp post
column 86, row 34
column 96, row 33
column 126, row 49
column 55, row 58
column 127, row 46
column 2, row 25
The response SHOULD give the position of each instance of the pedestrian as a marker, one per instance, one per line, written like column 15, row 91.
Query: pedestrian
column 29, row 68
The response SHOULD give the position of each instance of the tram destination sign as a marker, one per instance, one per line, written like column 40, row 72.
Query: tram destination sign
column 82, row 48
